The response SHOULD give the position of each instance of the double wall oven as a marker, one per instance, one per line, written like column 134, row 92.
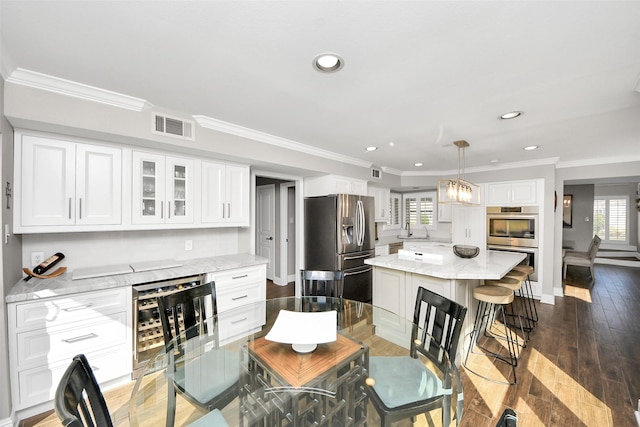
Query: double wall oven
column 515, row 229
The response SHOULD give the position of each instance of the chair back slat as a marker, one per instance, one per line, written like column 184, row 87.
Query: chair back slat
column 439, row 317
column 79, row 402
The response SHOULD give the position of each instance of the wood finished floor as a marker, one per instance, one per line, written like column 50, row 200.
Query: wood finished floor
column 581, row 367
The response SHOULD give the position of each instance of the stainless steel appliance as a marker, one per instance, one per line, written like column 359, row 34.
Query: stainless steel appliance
column 512, row 226
column 147, row 327
column 515, row 229
column 339, row 235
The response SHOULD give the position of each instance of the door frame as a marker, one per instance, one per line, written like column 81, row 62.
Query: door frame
column 271, row 189
column 299, row 218
column 284, row 226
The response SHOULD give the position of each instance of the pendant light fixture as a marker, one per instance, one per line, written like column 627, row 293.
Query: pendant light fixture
column 457, row 190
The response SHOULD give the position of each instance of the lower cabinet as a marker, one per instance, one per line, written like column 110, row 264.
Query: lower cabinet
column 237, row 291
column 45, row 334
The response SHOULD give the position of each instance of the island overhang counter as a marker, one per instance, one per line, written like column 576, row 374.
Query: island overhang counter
column 396, row 279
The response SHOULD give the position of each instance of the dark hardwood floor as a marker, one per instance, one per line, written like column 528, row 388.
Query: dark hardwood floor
column 581, row 367
column 276, row 291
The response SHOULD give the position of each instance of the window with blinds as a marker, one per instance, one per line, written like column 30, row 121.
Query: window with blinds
column 610, row 218
column 394, row 211
column 418, row 210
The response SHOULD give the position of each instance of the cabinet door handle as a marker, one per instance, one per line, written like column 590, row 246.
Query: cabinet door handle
column 237, row 298
column 80, row 338
column 244, row 319
column 77, row 307
column 228, row 210
column 169, row 210
column 223, row 211
column 161, row 210
column 239, row 277
column 69, row 207
column 80, row 207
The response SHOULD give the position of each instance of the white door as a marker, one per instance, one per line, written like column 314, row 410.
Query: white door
column 266, row 224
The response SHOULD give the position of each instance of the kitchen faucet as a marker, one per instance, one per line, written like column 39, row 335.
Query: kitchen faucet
column 408, row 227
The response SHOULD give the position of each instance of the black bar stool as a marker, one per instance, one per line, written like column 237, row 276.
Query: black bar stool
column 528, row 291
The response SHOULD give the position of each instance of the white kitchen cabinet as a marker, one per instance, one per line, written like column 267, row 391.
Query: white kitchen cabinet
column 514, row 193
column 381, row 250
column 237, row 292
column 333, row 184
column 389, row 290
column 63, row 184
column 162, row 189
column 468, row 226
column 225, row 194
column 434, row 284
column 381, row 198
column 445, row 212
column 45, row 334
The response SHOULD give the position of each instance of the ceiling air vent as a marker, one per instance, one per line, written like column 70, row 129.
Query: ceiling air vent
column 171, row 126
column 376, row 173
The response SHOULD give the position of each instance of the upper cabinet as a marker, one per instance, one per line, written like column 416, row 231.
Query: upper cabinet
column 66, row 184
column 444, row 212
column 333, row 184
column 61, row 184
column 225, row 194
column 381, row 196
column 514, row 193
column 162, row 189
column 468, row 226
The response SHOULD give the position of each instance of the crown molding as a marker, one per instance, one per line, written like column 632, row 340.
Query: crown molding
column 600, row 161
column 233, row 129
column 49, row 83
column 392, row 171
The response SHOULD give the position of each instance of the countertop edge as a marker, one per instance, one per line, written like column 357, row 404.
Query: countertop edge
column 36, row 289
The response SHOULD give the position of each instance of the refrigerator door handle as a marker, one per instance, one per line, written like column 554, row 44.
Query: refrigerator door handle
column 360, row 222
column 360, row 271
column 349, row 258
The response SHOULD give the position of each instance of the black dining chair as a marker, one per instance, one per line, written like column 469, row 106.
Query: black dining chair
column 403, row 386
column 329, row 283
column 210, row 380
column 78, row 400
column 509, row 418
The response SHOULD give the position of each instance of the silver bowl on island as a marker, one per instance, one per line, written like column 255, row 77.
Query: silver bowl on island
column 466, row 251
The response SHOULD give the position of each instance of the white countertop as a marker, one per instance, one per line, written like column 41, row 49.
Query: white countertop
column 63, row 285
column 487, row 265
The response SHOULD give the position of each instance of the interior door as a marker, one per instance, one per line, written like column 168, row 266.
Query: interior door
column 265, row 225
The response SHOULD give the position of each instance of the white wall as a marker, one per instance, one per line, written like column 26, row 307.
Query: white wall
column 83, row 250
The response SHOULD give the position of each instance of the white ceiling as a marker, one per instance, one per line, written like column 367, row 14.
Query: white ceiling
column 419, row 74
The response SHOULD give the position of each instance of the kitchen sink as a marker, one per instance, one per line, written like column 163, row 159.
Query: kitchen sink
column 400, row 236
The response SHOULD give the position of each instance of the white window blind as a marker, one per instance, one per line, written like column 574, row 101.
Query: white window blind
column 418, row 210
column 394, row 211
column 610, row 218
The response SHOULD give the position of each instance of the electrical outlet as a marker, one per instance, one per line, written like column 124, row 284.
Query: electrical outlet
column 36, row 258
column 188, row 245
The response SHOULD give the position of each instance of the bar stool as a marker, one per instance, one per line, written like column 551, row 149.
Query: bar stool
column 515, row 286
column 525, row 301
column 490, row 299
column 528, row 270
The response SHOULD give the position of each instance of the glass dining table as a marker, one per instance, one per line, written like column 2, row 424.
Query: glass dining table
column 275, row 383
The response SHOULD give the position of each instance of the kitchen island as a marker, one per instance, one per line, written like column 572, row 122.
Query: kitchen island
column 434, row 266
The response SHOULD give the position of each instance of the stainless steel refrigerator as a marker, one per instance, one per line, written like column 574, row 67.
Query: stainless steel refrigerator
column 339, row 235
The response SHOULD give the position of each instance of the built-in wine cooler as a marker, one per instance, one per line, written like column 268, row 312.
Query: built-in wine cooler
column 147, row 334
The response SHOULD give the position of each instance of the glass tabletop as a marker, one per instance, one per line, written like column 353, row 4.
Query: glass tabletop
column 370, row 364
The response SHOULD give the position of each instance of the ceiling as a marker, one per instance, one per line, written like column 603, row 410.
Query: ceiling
column 417, row 75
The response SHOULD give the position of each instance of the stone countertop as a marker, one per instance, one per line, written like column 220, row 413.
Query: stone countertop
column 393, row 239
column 489, row 265
column 62, row 285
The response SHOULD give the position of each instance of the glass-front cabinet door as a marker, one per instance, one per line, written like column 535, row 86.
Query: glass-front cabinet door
column 148, row 188
column 162, row 191
column 179, row 192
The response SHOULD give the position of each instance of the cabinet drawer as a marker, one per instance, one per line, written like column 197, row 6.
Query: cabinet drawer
column 241, row 322
column 42, row 347
column 239, row 276
column 58, row 311
column 231, row 297
column 39, row 384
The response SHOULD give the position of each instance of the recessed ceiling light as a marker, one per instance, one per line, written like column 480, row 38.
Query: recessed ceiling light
column 371, row 148
column 531, row 147
column 511, row 115
column 328, row 62
column 417, row 164
column 495, row 161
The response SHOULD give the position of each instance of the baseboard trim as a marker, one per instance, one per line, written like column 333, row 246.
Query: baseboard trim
column 7, row 422
column 548, row 299
column 558, row 292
